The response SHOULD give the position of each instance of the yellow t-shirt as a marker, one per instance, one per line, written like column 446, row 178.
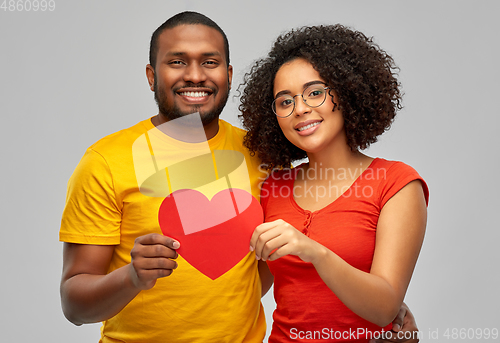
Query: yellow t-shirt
column 108, row 204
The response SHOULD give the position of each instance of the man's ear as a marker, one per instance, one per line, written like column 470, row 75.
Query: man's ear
column 150, row 74
column 230, row 75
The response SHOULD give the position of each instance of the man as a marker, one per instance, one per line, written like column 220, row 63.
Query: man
column 118, row 266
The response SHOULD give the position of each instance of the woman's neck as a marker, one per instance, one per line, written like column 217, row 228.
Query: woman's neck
column 335, row 172
column 338, row 159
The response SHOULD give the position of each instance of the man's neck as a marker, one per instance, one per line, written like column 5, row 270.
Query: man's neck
column 186, row 129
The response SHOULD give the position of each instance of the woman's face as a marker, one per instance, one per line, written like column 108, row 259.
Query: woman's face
column 311, row 129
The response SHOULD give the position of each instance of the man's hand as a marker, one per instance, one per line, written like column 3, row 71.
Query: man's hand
column 153, row 257
column 404, row 328
column 89, row 294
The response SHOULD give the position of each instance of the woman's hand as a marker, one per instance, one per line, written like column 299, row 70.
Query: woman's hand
column 276, row 239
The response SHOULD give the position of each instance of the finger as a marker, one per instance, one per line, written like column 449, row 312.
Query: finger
column 262, row 240
column 395, row 337
column 172, row 243
column 272, row 246
column 148, row 269
column 151, row 251
column 148, row 272
column 283, row 244
column 397, row 323
column 259, row 230
column 155, row 238
column 283, row 248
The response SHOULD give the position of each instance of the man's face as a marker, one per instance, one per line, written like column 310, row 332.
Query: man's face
column 191, row 73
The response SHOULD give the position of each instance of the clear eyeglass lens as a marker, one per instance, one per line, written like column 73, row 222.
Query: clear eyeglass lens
column 283, row 105
column 313, row 96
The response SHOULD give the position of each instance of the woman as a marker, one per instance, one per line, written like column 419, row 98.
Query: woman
column 343, row 231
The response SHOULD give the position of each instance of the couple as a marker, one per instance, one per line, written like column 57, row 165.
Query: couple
column 340, row 246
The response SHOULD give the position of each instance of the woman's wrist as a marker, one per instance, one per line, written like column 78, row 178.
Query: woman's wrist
column 319, row 255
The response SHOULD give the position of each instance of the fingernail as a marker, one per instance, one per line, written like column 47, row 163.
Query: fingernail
column 396, row 327
column 176, row 245
column 251, row 248
column 257, row 257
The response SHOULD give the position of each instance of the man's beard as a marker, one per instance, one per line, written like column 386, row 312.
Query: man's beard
column 173, row 112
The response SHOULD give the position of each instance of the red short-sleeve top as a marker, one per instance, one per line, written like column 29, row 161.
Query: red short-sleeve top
column 307, row 310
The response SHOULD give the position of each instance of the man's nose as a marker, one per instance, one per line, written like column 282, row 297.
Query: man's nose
column 194, row 73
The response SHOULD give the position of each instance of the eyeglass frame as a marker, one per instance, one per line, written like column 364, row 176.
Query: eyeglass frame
column 305, row 102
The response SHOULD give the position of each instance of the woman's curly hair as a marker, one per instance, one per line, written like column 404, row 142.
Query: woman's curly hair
column 362, row 75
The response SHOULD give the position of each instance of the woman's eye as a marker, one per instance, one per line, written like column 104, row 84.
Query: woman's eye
column 286, row 102
column 315, row 93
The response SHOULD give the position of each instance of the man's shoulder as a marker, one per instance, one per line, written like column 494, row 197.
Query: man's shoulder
column 232, row 130
column 123, row 138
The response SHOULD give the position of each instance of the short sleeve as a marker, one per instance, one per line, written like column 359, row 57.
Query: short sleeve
column 91, row 214
column 396, row 177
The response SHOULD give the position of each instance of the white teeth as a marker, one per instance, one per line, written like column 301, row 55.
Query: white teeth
column 308, row 126
column 194, row 94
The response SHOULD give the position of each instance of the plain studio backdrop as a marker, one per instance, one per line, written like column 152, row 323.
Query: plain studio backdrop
column 70, row 76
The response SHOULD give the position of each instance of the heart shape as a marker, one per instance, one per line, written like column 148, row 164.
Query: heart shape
column 214, row 234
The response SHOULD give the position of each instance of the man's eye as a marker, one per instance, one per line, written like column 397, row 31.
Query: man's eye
column 176, row 62
column 211, row 63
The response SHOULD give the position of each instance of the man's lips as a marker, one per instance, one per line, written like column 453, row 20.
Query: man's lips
column 194, row 94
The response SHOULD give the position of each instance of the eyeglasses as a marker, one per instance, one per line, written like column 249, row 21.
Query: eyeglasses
column 313, row 96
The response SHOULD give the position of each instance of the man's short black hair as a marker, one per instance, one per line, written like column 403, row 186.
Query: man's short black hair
column 184, row 18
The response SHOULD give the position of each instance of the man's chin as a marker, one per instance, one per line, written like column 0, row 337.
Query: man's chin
column 206, row 117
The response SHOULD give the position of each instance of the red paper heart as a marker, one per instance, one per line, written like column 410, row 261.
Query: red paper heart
column 216, row 249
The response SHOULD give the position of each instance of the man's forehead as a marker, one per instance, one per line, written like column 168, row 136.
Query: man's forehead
column 193, row 38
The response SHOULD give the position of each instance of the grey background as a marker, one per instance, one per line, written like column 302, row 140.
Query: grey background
column 74, row 75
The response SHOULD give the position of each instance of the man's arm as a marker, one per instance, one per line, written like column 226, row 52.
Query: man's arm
column 266, row 278
column 89, row 294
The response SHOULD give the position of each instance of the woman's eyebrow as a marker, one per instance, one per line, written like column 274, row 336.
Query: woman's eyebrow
column 310, row 83
column 286, row 91
column 307, row 84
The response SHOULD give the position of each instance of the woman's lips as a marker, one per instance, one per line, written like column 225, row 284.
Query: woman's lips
column 308, row 127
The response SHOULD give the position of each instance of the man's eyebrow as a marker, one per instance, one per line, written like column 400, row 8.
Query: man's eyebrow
column 209, row 54
column 307, row 84
column 205, row 54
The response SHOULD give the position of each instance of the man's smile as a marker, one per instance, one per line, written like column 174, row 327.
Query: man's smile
column 195, row 95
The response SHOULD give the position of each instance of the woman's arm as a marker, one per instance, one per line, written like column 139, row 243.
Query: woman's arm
column 374, row 296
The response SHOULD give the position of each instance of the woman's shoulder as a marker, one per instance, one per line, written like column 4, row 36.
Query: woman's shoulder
column 394, row 175
column 391, row 167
